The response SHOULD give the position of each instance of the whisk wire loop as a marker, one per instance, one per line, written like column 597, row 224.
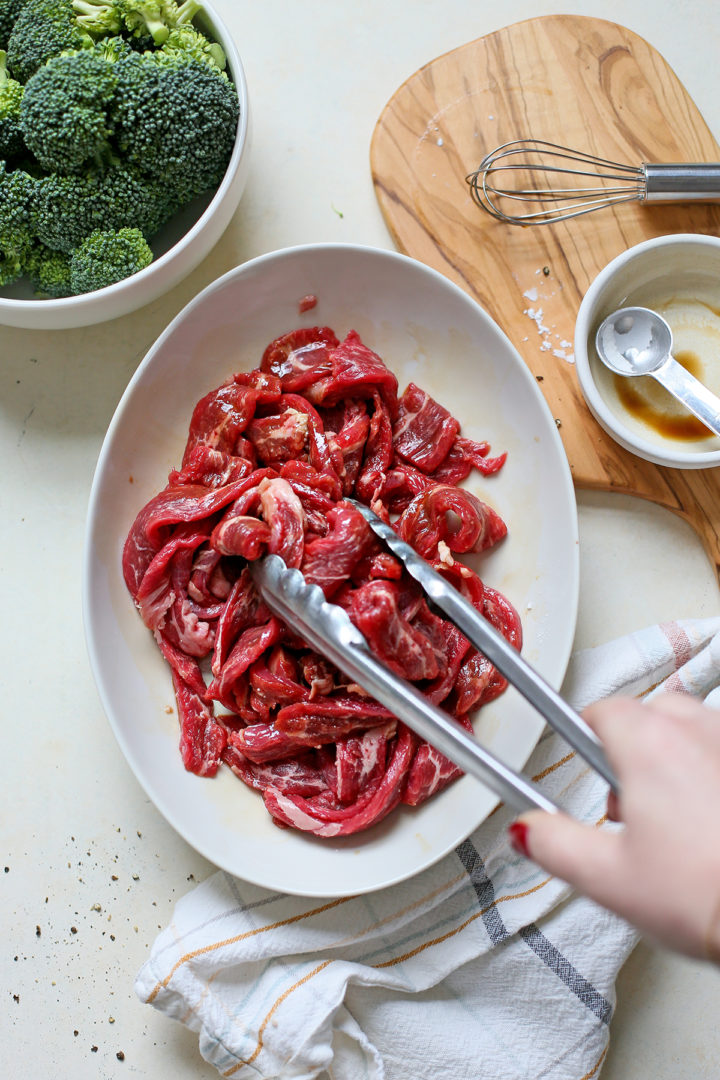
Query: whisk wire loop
column 549, row 165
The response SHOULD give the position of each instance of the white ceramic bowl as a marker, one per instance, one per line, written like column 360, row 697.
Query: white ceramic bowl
column 180, row 245
column 429, row 331
column 678, row 275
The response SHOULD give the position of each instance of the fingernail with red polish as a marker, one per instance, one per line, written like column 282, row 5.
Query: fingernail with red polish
column 518, row 832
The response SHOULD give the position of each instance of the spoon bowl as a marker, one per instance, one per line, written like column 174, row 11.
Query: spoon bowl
column 634, row 341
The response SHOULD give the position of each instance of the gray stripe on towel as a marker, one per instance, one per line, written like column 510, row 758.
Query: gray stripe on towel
column 484, row 890
column 561, row 966
column 226, row 914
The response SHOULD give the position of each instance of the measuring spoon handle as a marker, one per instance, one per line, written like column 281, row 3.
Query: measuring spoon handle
column 690, row 391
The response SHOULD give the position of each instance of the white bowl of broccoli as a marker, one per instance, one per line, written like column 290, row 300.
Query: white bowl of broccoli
column 123, row 153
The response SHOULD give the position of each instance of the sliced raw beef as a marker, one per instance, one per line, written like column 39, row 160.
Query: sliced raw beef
column 270, row 458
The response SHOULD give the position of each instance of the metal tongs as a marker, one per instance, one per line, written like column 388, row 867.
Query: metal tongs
column 328, row 629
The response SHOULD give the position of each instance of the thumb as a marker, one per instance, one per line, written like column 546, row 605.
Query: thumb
column 584, row 856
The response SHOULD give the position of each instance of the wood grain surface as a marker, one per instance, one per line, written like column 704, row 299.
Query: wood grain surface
column 586, row 83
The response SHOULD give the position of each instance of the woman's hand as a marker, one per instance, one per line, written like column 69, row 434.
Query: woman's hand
column 661, row 872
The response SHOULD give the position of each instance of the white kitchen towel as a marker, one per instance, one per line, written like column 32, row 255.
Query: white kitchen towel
column 480, row 966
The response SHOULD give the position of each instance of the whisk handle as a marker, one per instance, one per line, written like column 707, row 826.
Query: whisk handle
column 682, row 182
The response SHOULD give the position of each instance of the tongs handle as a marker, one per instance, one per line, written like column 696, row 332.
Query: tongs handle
column 509, row 662
column 327, row 628
column 491, row 643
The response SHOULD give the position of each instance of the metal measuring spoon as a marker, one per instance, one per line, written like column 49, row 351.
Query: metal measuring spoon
column 637, row 341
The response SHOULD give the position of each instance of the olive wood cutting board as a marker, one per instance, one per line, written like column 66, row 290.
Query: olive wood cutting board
column 586, row 83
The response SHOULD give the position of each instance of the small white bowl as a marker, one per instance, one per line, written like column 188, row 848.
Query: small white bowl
column 678, row 275
column 180, row 245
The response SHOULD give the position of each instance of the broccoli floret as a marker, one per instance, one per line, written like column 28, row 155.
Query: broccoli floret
column 188, row 43
column 112, row 48
column 106, row 257
column 155, row 19
column 49, row 272
column 11, row 95
column 101, row 18
column 188, row 140
column 16, row 238
column 9, row 12
column 66, row 209
column 44, row 28
column 133, row 199
column 148, row 17
column 64, row 113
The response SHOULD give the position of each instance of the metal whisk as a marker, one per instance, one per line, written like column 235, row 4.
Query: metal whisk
column 532, row 182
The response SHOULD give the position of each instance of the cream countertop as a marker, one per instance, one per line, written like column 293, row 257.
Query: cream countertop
column 91, row 869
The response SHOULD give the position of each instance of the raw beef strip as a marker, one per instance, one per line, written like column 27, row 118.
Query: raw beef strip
column 298, row 776
column 300, row 358
column 404, row 648
column 452, row 516
column 360, row 761
column 329, row 560
column 279, row 438
column 424, row 431
column 308, row 817
column 220, row 418
column 202, row 740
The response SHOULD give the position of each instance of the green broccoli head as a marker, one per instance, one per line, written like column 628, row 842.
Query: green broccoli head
column 101, row 18
column 9, row 12
column 189, row 141
column 16, row 236
column 66, row 209
column 111, row 49
column 11, row 95
column 49, row 272
column 64, row 112
column 106, row 257
column 186, row 42
column 153, row 18
column 44, row 28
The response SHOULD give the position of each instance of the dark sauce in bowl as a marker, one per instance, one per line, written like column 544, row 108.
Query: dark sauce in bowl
column 671, row 425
